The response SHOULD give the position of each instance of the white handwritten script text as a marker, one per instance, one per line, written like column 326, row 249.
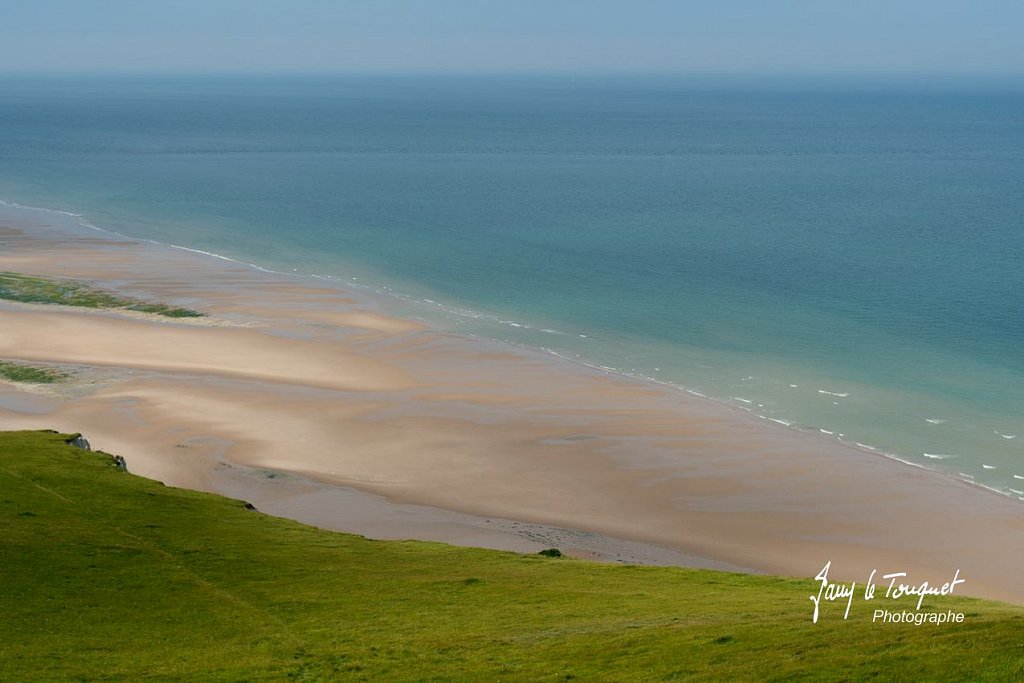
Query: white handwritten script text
column 832, row 591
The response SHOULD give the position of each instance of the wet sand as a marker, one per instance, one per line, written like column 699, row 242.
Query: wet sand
column 314, row 404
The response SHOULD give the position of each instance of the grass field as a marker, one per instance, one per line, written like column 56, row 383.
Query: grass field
column 36, row 290
column 104, row 575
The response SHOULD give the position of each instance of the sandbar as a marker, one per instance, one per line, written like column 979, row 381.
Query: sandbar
column 314, row 403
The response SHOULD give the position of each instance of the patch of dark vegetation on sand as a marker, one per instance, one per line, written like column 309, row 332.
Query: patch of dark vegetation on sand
column 30, row 374
column 37, row 290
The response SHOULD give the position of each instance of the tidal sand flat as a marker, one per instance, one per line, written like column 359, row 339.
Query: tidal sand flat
column 839, row 255
column 313, row 402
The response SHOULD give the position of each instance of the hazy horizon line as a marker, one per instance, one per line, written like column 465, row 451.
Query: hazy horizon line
column 834, row 73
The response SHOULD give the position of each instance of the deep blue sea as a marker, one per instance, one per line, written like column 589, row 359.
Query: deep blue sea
column 844, row 257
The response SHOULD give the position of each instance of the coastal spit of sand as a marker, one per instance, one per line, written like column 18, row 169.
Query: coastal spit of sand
column 312, row 403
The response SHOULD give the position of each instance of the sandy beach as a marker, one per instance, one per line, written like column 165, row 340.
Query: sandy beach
column 313, row 403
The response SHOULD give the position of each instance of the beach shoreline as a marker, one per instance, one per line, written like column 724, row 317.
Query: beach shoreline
column 382, row 426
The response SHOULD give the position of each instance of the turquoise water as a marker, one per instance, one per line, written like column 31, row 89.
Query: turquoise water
column 841, row 257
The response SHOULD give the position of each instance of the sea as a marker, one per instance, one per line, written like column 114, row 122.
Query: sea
column 843, row 256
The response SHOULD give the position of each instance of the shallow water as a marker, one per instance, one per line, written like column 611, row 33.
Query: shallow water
column 838, row 257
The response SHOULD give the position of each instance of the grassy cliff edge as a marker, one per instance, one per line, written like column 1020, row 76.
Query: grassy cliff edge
column 106, row 575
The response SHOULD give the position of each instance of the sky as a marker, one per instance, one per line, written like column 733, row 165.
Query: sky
column 520, row 36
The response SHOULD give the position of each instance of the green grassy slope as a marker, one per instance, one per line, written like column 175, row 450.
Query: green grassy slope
column 104, row 575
